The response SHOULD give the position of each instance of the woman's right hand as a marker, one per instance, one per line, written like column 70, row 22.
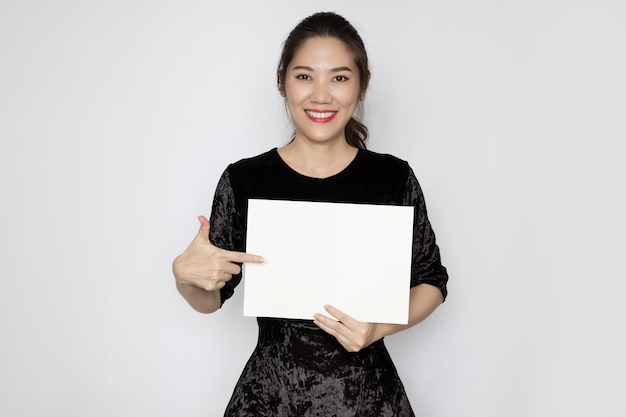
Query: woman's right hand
column 206, row 266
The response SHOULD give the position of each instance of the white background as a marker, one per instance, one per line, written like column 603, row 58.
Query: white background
column 117, row 118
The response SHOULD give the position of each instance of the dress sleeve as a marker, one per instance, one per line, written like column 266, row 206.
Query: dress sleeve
column 226, row 231
column 426, row 267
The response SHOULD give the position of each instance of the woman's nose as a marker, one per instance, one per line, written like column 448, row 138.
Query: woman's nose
column 321, row 93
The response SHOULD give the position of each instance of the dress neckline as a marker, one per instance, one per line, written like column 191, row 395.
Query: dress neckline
column 339, row 174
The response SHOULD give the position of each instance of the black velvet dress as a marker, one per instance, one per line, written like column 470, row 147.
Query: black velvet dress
column 297, row 369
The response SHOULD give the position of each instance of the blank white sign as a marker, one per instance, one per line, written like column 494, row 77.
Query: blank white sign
column 356, row 257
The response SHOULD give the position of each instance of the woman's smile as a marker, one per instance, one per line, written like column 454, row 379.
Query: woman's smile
column 320, row 116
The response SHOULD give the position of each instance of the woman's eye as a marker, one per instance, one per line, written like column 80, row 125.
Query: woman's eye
column 303, row 77
column 341, row 78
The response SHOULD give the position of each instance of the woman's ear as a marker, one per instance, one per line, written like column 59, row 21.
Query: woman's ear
column 364, row 89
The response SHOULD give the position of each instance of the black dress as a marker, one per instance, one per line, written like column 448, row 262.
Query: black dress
column 297, row 369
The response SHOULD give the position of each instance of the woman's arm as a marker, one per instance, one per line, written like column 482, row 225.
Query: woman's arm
column 424, row 299
column 201, row 300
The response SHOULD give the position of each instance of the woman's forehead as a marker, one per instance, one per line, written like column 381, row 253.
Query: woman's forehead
column 323, row 53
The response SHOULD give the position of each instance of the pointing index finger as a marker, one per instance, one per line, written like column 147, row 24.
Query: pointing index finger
column 243, row 257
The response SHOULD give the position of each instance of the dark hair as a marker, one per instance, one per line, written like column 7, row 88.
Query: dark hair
column 330, row 25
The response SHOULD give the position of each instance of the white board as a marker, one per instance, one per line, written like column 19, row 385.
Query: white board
column 356, row 257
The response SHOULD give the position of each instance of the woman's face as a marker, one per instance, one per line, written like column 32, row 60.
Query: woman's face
column 322, row 89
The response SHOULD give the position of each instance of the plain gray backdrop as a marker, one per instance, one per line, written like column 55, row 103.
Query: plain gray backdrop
column 117, row 118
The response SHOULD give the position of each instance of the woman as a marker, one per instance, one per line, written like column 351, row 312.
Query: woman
column 321, row 367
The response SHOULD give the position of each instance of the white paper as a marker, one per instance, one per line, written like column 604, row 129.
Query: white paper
column 356, row 257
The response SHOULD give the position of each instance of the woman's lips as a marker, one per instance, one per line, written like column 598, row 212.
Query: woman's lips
column 320, row 116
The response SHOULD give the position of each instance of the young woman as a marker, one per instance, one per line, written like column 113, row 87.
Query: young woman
column 318, row 367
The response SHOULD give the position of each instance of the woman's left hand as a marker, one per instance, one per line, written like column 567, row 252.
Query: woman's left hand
column 352, row 334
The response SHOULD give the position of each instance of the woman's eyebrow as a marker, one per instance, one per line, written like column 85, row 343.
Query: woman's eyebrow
column 305, row 68
column 339, row 69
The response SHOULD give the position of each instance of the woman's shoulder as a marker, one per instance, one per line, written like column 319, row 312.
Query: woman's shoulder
column 384, row 157
column 384, row 162
column 254, row 163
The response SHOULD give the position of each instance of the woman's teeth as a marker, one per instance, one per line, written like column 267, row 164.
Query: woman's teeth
column 320, row 115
